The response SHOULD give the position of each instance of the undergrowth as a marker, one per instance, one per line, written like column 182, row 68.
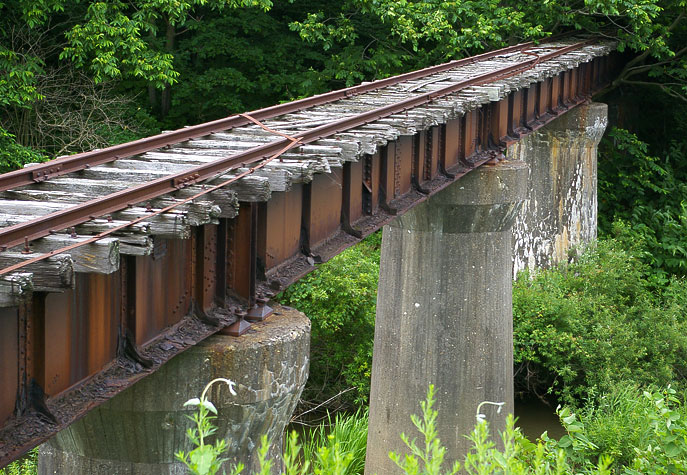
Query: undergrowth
column 27, row 465
column 601, row 319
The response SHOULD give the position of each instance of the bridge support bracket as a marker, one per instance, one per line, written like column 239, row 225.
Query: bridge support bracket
column 259, row 312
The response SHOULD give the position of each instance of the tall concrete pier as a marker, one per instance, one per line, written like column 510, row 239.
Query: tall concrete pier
column 139, row 431
column 444, row 312
column 560, row 210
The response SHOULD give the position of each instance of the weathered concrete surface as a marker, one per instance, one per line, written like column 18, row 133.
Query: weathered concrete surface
column 444, row 312
column 139, row 431
column 561, row 206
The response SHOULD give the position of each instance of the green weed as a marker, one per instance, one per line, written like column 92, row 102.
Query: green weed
column 344, row 433
column 28, row 465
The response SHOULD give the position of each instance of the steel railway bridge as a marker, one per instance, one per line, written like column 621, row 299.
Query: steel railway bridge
column 115, row 260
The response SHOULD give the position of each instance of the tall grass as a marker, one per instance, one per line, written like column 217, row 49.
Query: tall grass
column 344, row 435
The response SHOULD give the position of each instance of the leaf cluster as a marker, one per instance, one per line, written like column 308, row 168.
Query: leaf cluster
column 27, row 465
column 14, row 155
column 643, row 198
column 205, row 459
column 429, row 458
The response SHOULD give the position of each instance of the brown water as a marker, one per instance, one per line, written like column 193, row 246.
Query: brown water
column 535, row 417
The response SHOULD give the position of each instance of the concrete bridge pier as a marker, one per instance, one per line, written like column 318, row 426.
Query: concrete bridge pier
column 444, row 313
column 139, row 431
column 560, row 211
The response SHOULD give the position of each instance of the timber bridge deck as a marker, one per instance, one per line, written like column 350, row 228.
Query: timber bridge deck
column 115, row 260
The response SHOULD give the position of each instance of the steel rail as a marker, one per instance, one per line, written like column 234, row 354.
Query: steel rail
column 44, row 225
column 73, row 163
column 7, row 270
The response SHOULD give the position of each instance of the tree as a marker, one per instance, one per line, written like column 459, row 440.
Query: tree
column 46, row 44
column 437, row 30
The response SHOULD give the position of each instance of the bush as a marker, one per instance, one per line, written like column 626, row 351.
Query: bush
column 642, row 432
column 518, row 456
column 620, row 421
column 14, row 155
column 340, row 298
column 599, row 320
column 659, row 446
column 648, row 194
column 28, row 465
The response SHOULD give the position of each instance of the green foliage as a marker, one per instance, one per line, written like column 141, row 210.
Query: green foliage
column 239, row 60
column 656, row 445
column 452, row 28
column 28, row 465
column 408, row 34
column 428, row 459
column 340, row 299
column 343, row 434
column 621, row 420
column 650, row 193
column 109, row 43
column 13, row 155
column 264, row 462
column 18, row 78
column 519, row 456
column 597, row 321
column 669, row 453
column 626, row 431
column 111, row 38
column 206, row 459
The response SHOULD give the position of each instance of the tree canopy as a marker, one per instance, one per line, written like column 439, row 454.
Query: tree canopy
column 277, row 52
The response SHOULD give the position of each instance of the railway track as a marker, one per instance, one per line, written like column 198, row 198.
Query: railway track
column 112, row 261
column 166, row 163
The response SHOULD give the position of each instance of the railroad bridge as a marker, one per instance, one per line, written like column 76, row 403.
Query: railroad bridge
column 115, row 261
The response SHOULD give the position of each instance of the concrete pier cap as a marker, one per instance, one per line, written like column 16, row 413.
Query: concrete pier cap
column 444, row 313
column 140, row 430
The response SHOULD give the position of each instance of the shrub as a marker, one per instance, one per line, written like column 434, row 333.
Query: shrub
column 13, row 155
column 622, row 420
column 657, row 446
column 340, row 298
column 597, row 321
column 648, row 194
column 28, row 465
column 519, row 455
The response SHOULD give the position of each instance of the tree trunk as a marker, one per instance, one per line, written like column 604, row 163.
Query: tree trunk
column 166, row 99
